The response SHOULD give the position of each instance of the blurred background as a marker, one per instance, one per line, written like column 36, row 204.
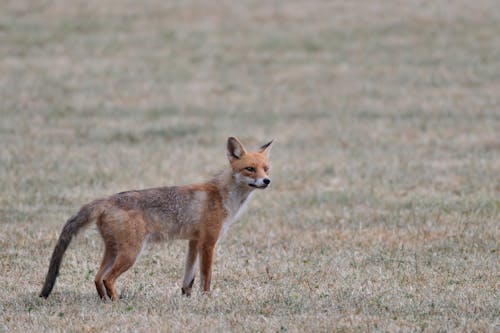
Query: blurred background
column 384, row 206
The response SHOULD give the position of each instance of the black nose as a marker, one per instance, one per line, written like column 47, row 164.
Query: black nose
column 267, row 181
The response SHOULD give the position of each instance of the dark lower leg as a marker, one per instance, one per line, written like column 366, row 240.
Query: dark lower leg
column 189, row 269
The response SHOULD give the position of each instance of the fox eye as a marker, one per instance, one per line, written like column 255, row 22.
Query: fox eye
column 250, row 169
column 266, row 169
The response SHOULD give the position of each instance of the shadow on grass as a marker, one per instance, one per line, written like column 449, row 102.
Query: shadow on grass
column 32, row 302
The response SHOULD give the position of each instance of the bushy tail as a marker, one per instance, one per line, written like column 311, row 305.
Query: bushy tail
column 70, row 229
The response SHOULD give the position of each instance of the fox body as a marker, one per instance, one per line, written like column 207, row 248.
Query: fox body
column 199, row 213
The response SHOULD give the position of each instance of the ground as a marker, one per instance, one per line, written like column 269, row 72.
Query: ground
column 384, row 210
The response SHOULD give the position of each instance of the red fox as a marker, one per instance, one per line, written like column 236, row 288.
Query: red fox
column 199, row 213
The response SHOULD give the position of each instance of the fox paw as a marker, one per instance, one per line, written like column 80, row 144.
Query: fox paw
column 187, row 289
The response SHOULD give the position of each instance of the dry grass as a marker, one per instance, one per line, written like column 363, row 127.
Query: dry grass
column 384, row 210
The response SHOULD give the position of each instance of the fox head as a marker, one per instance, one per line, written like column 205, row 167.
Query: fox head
column 249, row 168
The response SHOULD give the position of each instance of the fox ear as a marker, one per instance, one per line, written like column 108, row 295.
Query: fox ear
column 265, row 149
column 235, row 149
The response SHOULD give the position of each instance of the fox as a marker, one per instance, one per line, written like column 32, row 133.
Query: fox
column 199, row 213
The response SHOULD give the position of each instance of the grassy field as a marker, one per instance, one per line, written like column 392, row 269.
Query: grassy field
column 384, row 210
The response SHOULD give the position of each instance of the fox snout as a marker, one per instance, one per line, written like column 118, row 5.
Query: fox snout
column 261, row 183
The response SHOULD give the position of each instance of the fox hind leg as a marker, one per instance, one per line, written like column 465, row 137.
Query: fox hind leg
column 126, row 255
column 124, row 260
column 123, row 232
column 106, row 264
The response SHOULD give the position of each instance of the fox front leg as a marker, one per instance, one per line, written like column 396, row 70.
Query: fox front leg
column 189, row 269
column 206, row 253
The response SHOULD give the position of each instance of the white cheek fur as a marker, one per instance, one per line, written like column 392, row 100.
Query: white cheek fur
column 244, row 179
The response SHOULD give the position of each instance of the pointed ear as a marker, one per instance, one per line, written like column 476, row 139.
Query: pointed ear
column 265, row 149
column 235, row 149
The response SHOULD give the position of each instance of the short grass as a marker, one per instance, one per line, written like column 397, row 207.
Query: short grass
column 385, row 205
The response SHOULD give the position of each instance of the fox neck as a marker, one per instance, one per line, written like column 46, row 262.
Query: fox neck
column 234, row 194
